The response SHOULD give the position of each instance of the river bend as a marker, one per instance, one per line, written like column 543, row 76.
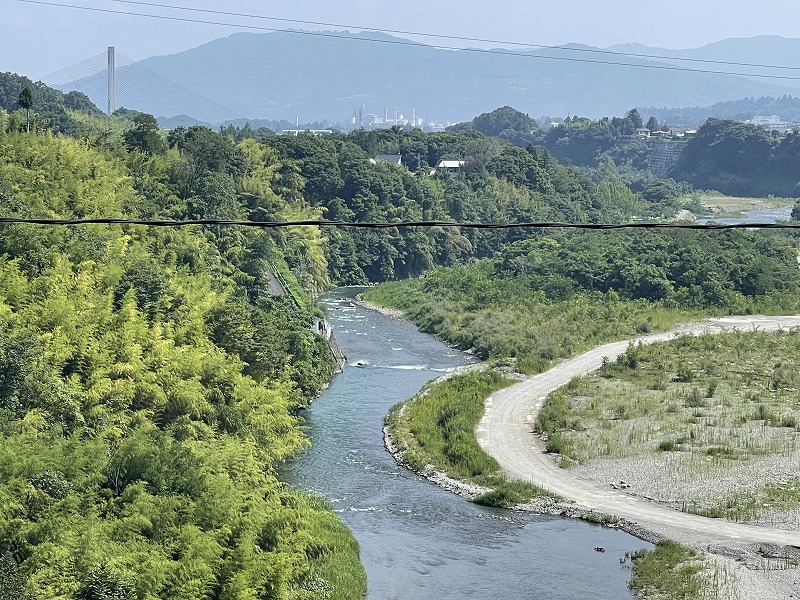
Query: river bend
column 417, row 540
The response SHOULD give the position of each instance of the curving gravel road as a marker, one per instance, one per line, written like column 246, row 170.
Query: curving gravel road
column 505, row 432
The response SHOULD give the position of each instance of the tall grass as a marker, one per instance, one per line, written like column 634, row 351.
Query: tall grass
column 336, row 571
column 670, row 571
column 436, row 429
column 504, row 319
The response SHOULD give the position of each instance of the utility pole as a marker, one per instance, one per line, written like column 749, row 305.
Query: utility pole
column 111, row 80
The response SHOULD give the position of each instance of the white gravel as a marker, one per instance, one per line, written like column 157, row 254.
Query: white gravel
column 664, row 478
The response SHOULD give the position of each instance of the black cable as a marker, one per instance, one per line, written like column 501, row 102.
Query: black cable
column 454, row 37
column 400, row 224
column 410, row 43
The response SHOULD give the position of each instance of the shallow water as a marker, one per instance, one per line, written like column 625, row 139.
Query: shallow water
column 764, row 215
column 417, row 540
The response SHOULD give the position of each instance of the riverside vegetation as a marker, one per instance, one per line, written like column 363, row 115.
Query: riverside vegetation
column 434, row 429
column 557, row 294
column 670, row 571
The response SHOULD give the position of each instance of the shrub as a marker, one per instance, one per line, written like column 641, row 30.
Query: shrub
column 557, row 443
column 666, row 445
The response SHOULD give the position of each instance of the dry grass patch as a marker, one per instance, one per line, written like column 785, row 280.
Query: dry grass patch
column 710, row 424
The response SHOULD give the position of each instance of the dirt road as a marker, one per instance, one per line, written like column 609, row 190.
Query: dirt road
column 505, row 432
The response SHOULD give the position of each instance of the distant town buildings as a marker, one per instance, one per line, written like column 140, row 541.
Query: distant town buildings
column 449, row 166
column 771, row 123
column 299, row 131
column 673, row 133
column 362, row 119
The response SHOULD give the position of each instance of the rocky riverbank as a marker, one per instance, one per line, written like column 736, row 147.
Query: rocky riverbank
column 544, row 506
column 392, row 313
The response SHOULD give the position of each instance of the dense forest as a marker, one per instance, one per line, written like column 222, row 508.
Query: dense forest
column 51, row 108
column 728, row 156
column 579, row 140
column 149, row 382
column 501, row 183
column 740, row 159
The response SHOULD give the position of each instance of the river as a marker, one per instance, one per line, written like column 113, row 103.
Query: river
column 761, row 215
column 417, row 540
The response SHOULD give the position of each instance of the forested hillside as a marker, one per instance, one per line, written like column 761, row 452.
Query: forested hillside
column 150, row 381
column 606, row 149
column 731, row 157
column 499, row 183
column 50, row 107
column 740, row 159
column 555, row 294
column 580, row 140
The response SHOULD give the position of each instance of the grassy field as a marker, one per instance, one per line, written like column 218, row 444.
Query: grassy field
column 710, row 424
column 435, row 429
column 672, row 571
column 669, row 571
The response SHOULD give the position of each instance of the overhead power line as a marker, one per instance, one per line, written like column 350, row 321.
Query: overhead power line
column 454, row 37
column 398, row 42
column 400, row 224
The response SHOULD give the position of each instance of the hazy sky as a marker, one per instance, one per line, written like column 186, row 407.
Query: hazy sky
column 39, row 39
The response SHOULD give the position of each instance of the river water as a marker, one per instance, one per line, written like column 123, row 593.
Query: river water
column 417, row 540
column 762, row 215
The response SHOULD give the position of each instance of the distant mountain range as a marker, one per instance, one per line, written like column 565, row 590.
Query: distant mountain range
column 325, row 75
column 760, row 50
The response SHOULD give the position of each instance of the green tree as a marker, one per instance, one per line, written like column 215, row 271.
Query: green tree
column 104, row 584
column 652, row 124
column 12, row 581
column 503, row 119
column 26, row 100
column 633, row 121
column 145, row 135
column 17, row 355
